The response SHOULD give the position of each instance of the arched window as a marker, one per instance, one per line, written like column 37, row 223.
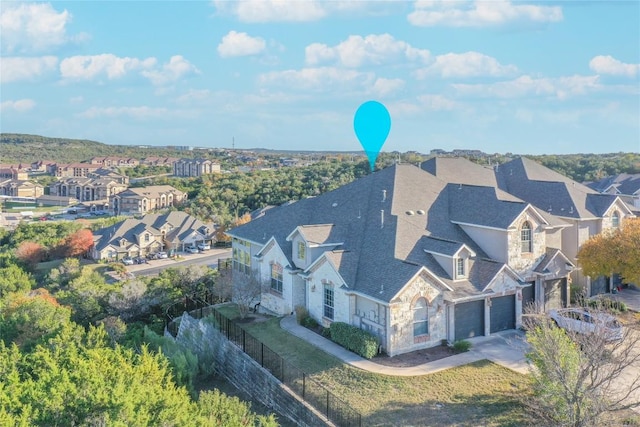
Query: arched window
column 420, row 317
column 525, row 237
column 615, row 220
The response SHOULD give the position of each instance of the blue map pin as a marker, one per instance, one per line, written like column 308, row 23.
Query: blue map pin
column 372, row 123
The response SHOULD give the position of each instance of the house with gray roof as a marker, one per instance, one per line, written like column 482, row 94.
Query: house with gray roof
column 624, row 185
column 170, row 232
column 573, row 211
column 410, row 257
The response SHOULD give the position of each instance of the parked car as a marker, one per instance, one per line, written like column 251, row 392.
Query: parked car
column 140, row 260
column 191, row 249
column 127, row 261
column 162, row 255
column 204, row 246
column 584, row 321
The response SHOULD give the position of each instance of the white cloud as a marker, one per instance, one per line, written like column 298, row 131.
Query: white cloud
column 357, row 51
column 22, row 68
column 318, row 79
column 139, row 113
column 33, row 27
column 274, row 10
column 383, row 87
column 560, row 87
column 437, row 103
column 609, row 65
column 175, row 69
column 194, row 96
column 96, row 66
column 240, row 44
column 20, row 105
column 76, row 100
column 468, row 64
column 480, row 13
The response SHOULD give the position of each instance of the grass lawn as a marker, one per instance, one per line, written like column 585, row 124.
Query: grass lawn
column 481, row 393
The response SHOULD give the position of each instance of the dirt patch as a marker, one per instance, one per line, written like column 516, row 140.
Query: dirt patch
column 415, row 358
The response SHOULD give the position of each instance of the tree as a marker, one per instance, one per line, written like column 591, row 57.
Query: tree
column 615, row 252
column 247, row 291
column 14, row 279
column 30, row 253
column 581, row 379
column 78, row 243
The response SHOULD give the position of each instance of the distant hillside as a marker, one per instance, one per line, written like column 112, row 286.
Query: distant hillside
column 24, row 148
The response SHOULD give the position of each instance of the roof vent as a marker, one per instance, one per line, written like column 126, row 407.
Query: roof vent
column 384, row 195
column 420, row 212
column 410, row 213
column 334, row 204
column 381, row 218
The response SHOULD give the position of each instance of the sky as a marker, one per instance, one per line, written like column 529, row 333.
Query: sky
column 519, row 77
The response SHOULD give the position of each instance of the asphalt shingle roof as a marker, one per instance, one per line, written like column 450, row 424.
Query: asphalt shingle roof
column 382, row 221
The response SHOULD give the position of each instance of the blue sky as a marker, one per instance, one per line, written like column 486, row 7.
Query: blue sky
column 499, row 76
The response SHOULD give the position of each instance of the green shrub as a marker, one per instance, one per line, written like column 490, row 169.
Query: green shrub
column 607, row 304
column 354, row 339
column 326, row 332
column 309, row 322
column 461, row 346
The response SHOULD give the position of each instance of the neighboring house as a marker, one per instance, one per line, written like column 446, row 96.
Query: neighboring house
column 146, row 199
column 195, row 167
column 20, row 188
column 15, row 172
column 624, row 185
column 99, row 190
column 407, row 256
column 115, row 162
column 575, row 211
column 75, row 170
column 42, row 165
column 152, row 233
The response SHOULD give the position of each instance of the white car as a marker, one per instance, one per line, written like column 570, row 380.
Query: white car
column 587, row 322
column 191, row 249
column 204, row 246
column 162, row 255
column 127, row 261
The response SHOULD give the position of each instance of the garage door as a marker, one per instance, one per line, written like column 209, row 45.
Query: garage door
column 469, row 319
column 555, row 295
column 599, row 286
column 528, row 298
column 503, row 313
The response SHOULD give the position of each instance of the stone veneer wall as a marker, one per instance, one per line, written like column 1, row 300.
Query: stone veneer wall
column 243, row 372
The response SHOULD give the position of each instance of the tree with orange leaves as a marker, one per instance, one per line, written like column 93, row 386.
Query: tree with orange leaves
column 30, row 253
column 615, row 252
column 78, row 243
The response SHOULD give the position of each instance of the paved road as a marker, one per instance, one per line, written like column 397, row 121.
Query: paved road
column 154, row 267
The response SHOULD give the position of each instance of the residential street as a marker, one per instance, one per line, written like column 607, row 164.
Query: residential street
column 209, row 258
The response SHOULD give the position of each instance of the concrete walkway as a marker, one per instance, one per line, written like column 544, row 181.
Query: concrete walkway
column 630, row 296
column 504, row 348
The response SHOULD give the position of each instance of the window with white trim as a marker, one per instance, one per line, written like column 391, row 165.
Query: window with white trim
column 276, row 278
column 302, row 250
column 461, row 270
column 420, row 317
column 328, row 301
column 615, row 220
column 525, row 238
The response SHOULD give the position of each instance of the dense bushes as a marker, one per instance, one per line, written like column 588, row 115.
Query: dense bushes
column 354, row 339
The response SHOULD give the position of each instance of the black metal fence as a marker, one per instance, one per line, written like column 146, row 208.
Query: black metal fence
column 314, row 393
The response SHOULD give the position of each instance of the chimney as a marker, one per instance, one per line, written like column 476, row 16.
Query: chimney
column 384, row 195
column 381, row 218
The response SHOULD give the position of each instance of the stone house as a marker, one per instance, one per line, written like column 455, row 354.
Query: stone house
column 150, row 234
column 20, row 188
column 147, row 199
column 624, row 185
column 96, row 190
column 410, row 257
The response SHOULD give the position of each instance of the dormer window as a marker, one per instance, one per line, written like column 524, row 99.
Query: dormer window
column 302, row 250
column 146, row 237
column 461, row 268
column 615, row 220
column 525, row 237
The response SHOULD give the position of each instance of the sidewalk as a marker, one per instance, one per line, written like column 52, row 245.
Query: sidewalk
column 504, row 348
column 169, row 262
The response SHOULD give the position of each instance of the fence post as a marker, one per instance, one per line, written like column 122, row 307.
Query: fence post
column 244, row 348
column 327, row 403
column 282, row 370
column 262, row 355
column 304, row 384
